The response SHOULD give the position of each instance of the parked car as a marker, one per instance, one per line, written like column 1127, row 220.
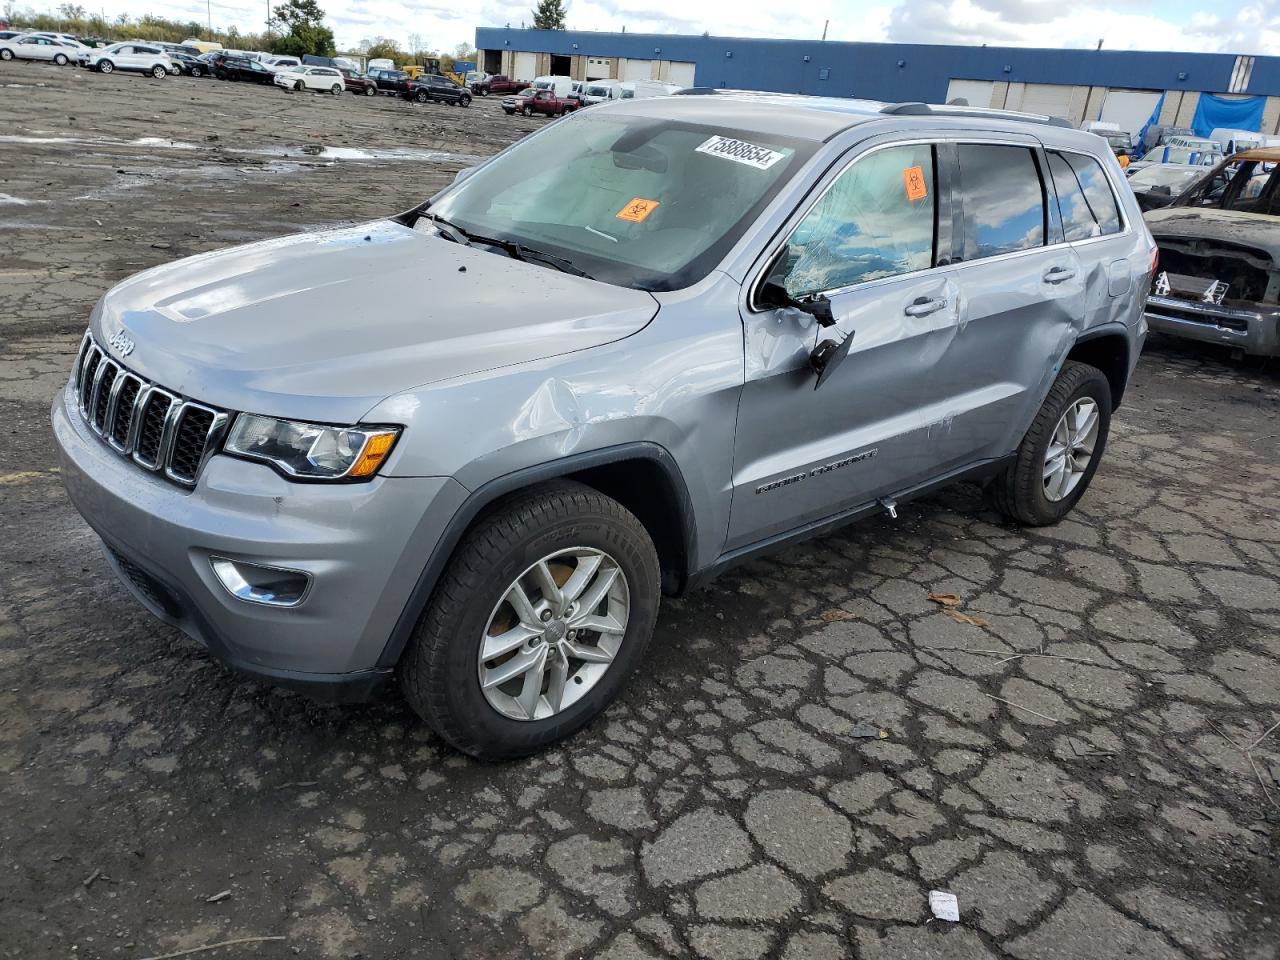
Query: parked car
column 1219, row 277
column 132, row 57
column 601, row 91
column 498, row 83
column 276, row 64
column 186, row 60
column 394, row 82
column 227, row 67
column 1197, row 151
column 539, row 101
column 661, row 288
column 9, row 34
column 559, row 85
column 430, row 87
column 358, row 83
column 1157, row 184
column 29, row 46
column 321, row 79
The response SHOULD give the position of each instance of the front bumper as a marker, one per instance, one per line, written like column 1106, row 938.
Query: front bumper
column 1255, row 331
column 364, row 546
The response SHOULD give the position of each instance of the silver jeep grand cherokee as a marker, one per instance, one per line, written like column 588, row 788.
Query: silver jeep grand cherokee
column 470, row 446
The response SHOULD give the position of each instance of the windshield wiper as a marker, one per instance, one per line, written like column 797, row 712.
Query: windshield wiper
column 513, row 248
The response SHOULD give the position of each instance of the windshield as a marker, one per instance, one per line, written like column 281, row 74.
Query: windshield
column 634, row 201
column 1166, row 175
column 1119, row 140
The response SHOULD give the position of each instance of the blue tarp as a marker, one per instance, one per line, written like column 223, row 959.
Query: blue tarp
column 1215, row 112
column 1140, row 140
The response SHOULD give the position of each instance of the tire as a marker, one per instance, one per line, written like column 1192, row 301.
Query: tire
column 440, row 671
column 370, row 91
column 526, row 112
column 220, row 74
column 421, row 96
column 464, row 101
column 509, row 113
column 105, row 66
column 60, row 59
column 299, row 87
column 196, row 72
column 336, row 89
column 1020, row 490
column 6, row 54
column 159, row 72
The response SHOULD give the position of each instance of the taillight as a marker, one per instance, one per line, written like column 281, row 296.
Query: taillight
column 1155, row 259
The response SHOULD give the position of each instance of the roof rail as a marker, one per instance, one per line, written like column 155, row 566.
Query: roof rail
column 937, row 110
column 695, row 92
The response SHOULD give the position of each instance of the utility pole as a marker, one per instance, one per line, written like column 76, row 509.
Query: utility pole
column 208, row 9
column 825, row 24
column 1099, row 46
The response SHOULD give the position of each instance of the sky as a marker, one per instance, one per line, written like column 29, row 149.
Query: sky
column 1245, row 26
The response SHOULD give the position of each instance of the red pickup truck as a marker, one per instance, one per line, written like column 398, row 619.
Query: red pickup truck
column 497, row 84
column 540, row 101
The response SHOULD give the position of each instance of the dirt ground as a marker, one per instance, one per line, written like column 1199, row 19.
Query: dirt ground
column 731, row 804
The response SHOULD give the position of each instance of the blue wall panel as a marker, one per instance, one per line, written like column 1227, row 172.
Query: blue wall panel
column 888, row 71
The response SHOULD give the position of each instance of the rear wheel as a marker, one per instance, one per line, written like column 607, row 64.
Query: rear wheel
column 195, row 71
column 543, row 611
column 336, row 89
column 1059, row 455
column 105, row 66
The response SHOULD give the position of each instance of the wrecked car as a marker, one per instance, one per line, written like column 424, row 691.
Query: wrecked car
column 1219, row 274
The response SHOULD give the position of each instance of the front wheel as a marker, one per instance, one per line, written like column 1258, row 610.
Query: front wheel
column 159, row 72
column 465, row 101
column 298, row 87
column 6, row 54
column 60, row 59
column 543, row 611
column 105, row 66
column 421, row 96
column 1059, row 455
column 526, row 112
column 370, row 91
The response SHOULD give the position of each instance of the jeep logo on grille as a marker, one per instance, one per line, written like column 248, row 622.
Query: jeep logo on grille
column 121, row 343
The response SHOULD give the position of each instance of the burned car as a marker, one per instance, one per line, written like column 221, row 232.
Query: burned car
column 1219, row 275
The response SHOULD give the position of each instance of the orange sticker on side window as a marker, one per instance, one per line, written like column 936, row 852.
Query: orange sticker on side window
column 637, row 210
column 913, row 177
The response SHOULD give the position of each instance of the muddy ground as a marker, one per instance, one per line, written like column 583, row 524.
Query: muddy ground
column 727, row 806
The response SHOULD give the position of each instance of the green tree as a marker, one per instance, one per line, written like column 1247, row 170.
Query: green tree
column 549, row 15
column 385, row 48
column 301, row 23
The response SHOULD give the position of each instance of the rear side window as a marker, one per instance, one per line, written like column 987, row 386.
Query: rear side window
column 1003, row 199
column 1088, row 206
column 876, row 221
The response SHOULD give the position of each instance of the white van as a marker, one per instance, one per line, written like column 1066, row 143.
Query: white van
column 381, row 63
column 637, row 89
column 600, row 91
column 1233, row 141
column 562, row 87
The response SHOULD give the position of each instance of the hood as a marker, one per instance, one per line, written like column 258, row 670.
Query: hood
column 1255, row 230
column 322, row 326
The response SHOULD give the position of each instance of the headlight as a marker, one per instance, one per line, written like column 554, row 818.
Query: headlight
column 311, row 451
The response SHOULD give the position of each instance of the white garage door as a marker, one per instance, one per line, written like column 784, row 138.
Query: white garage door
column 526, row 66
column 599, row 68
column 976, row 92
column 1050, row 99
column 637, row 70
column 681, row 73
column 1129, row 108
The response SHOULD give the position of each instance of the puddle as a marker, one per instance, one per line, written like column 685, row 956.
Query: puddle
column 11, row 200
column 360, row 153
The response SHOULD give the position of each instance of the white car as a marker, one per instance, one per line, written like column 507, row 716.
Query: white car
column 311, row 78
column 134, row 56
column 276, row 64
column 32, row 46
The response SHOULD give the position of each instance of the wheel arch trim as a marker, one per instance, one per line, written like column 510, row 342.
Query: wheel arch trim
column 509, row 483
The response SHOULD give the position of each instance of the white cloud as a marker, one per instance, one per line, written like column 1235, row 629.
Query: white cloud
column 1140, row 24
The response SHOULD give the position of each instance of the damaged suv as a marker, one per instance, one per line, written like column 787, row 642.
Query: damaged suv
column 469, row 447
column 1219, row 276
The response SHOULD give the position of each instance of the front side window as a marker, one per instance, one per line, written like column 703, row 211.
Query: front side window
column 1088, row 206
column 636, row 201
column 1003, row 199
column 877, row 220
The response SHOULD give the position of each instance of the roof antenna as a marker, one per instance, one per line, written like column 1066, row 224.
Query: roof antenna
column 825, row 24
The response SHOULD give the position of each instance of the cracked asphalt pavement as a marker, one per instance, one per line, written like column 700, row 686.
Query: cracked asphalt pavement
column 810, row 747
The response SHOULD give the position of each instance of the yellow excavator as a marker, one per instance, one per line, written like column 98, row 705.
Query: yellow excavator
column 431, row 65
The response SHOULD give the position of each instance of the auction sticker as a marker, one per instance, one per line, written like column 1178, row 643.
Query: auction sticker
column 739, row 151
column 913, row 178
column 637, row 210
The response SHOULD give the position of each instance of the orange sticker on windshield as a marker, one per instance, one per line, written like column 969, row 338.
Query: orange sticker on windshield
column 637, row 210
column 913, row 177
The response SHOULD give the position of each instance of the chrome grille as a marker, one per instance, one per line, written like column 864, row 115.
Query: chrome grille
column 159, row 430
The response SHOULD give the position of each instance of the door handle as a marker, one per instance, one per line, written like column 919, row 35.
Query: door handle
column 923, row 306
column 1059, row 274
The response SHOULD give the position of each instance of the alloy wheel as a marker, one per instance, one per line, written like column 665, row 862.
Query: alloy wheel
column 553, row 634
column 1070, row 449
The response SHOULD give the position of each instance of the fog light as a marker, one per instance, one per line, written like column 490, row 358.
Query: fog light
column 255, row 583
